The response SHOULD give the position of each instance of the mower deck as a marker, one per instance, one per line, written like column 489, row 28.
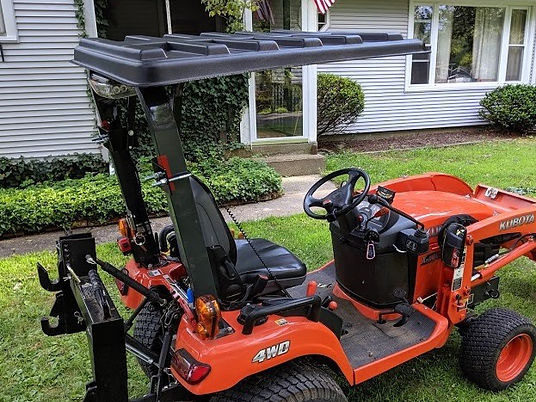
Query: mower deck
column 365, row 340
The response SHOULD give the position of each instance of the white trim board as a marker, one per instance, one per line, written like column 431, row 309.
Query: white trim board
column 10, row 23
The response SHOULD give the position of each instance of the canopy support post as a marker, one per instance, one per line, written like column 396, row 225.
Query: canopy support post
column 157, row 105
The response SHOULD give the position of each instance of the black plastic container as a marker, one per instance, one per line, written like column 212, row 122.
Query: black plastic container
column 373, row 281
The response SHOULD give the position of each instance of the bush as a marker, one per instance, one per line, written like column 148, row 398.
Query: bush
column 22, row 172
column 340, row 102
column 511, row 107
column 97, row 199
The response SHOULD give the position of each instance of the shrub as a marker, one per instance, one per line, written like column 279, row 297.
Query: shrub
column 340, row 102
column 511, row 107
column 239, row 180
column 97, row 199
column 22, row 172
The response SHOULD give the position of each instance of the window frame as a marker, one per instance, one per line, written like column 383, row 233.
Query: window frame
column 503, row 61
column 325, row 27
column 8, row 12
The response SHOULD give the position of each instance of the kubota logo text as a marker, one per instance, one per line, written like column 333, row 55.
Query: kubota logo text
column 271, row 352
column 515, row 222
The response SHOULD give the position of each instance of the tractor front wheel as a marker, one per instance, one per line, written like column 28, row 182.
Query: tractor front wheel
column 299, row 381
column 497, row 349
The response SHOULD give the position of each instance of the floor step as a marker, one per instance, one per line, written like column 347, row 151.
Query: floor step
column 296, row 164
column 278, row 148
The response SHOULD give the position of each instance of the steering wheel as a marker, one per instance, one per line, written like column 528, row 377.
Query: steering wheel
column 341, row 200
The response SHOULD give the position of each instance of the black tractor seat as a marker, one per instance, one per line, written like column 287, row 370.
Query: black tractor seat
column 282, row 264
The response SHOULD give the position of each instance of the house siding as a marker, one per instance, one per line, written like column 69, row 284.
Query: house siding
column 389, row 107
column 44, row 105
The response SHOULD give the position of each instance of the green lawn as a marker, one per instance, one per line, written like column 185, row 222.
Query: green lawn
column 501, row 164
column 35, row 367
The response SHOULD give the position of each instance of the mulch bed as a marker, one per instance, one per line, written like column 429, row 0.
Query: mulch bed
column 410, row 139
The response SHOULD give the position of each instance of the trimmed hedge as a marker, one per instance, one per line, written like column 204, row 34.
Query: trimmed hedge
column 97, row 199
column 511, row 107
column 22, row 172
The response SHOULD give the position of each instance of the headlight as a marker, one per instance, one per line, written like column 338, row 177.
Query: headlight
column 109, row 89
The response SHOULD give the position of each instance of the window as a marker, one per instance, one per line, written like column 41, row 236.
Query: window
column 323, row 22
column 2, row 23
column 469, row 44
column 516, row 45
column 8, row 30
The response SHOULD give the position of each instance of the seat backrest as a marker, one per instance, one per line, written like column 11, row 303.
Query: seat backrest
column 215, row 229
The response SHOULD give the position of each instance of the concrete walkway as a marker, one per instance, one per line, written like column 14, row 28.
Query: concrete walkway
column 289, row 204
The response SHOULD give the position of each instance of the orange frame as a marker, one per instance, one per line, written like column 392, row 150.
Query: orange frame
column 231, row 356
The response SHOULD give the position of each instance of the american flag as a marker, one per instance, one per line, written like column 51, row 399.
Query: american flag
column 323, row 5
column 264, row 11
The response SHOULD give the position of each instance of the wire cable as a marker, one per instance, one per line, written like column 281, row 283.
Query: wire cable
column 247, row 239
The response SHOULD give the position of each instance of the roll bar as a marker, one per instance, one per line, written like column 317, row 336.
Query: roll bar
column 144, row 66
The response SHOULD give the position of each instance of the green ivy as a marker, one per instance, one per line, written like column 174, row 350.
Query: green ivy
column 211, row 114
column 80, row 17
column 212, row 109
column 25, row 172
column 97, row 199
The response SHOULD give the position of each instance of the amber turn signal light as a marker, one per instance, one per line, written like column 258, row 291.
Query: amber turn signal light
column 208, row 316
column 124, row 230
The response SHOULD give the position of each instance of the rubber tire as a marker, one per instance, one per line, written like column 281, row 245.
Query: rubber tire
column 297, row 381
column 482, row 342
column 148, row 331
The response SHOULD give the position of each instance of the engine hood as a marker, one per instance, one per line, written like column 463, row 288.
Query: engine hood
column 432, row 208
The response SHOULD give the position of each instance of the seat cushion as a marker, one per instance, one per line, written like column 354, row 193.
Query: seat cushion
column 284, row 265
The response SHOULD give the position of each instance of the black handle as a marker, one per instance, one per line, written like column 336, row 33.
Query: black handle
column 118, row 274
column 314, row 302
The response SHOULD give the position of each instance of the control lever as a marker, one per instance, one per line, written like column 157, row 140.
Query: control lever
column 404, row 309
column 117, row 274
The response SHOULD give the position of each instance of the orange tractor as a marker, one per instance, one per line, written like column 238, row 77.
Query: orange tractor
column 220, row 318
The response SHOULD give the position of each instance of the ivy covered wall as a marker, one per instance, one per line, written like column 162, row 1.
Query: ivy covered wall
column 211, row 109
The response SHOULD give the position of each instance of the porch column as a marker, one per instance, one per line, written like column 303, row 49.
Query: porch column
column 310, row 24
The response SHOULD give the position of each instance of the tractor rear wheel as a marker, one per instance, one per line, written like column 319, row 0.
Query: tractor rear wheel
column 497, row 349
column 299, row 381
column 148, row 331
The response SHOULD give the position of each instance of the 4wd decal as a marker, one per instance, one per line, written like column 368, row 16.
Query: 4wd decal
column 271, row 352
column 517, row 221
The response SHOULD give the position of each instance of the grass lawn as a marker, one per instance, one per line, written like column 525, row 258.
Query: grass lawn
column 501, row 164
column 35, row 367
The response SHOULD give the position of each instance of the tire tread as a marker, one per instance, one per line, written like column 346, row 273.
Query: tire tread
column 296, row 381
column 482, row 342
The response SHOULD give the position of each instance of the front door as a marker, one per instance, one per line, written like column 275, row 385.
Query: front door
column 279, row 92
column 282, row 106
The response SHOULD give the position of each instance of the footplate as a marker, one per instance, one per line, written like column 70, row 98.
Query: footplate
column 83, row 303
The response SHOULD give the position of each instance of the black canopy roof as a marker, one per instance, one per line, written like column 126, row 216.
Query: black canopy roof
column 148, row 61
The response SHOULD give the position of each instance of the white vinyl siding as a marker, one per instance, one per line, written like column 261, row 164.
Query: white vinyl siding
column 389, row 105
column 44, row 105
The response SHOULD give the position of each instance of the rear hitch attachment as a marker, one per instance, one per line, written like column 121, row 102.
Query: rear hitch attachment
column 83, row 304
